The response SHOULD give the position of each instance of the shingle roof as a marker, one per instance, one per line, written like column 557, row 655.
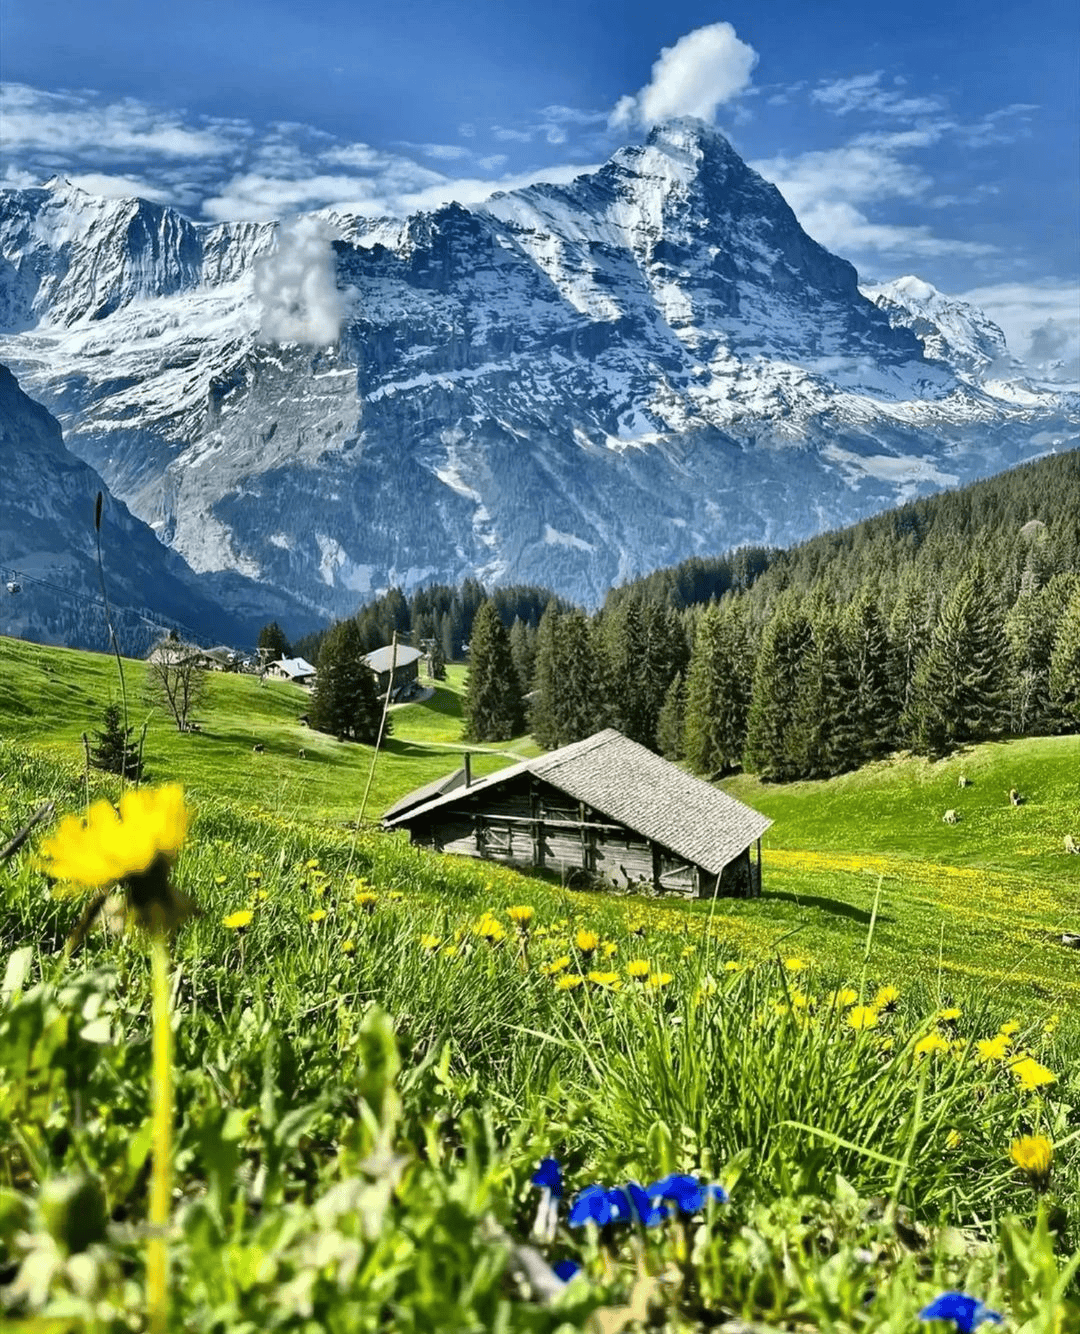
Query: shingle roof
column 294, row 666
column 630, row 785
column 382, row 658
column 439, row 788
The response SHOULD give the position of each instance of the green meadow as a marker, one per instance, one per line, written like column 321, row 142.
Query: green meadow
column 879, row 1059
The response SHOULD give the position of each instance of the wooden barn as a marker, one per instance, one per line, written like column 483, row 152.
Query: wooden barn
column 605, row 806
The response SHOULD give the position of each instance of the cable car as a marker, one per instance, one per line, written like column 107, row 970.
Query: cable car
column 14, row 586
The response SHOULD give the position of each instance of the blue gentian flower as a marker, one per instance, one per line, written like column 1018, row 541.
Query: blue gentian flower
column 964, row 1311
column 566, row 1269
column 648, row 1212
column 622, row 1210
column 686, row 1193
column 548, row 1176
column 592, row 1205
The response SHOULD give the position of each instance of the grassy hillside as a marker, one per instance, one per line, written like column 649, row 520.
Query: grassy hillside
column 374, row 1046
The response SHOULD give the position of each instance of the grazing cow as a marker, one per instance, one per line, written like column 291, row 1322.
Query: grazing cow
column 303, row 753
column 1015, row 797
column 1071, row 844
column 950, row 817
column 258, row 748
column 963, row 781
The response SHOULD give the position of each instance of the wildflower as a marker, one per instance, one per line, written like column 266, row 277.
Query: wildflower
column 555, row 965
column 429, row 942
column 843, row 998
column 609, row 980
column 1031, row 1074
column 395, row 896
column 491, row 928
column 312, row 864
column 348, row 947
column 686, row 1193
column 992, row 1049
column 1010, row 1027
column 592, row 1205
column 548, row 1177
column 220, row 879
column 948, row 1016
column 688, row 951
column 964, row 1311
column 658, row 980
column 795, row 965
column 236, row 921
column 365, row 900
column 931, row 1045
column 136, row 846
column 953, row 1139
column 254, row 876
column 566, row 1269
column 886, row 999
column 608, row 948
column 451, row 952
column 886, row 1045
column 1033, row 1155
column 587, row 941
column 639, row 969
column 319, row 915
column 649, row 1212
column 862, row 1016
column 521, row 915
column 1050, row 1027
column 569, row 981
column 733, row 966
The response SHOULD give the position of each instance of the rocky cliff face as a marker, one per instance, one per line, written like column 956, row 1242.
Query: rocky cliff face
column 568, row 385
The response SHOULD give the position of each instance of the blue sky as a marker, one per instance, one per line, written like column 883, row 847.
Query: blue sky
column 930, row 138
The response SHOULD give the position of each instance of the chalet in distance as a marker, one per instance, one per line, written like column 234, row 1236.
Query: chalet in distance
column 297, row 670
column 395, row 668
column 604, row 805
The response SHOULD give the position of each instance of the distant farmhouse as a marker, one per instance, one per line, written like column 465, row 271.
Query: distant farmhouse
column 403, row 659
column 605, row 806
column 297, row 670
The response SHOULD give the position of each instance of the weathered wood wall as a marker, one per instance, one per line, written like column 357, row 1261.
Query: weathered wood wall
column 528, row 823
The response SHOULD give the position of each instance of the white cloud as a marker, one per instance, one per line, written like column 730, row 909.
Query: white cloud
column 296, row 285
column 74, row 122
column 692, row 78
column 1041, row 321
column 863, row 92
column 118, row 187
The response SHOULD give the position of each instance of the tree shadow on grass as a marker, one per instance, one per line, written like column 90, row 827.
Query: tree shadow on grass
column 836, row 906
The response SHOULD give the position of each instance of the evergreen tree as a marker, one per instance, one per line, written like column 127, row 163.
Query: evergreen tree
column 874, row 713
column 1032, row 709
column 625, row 650
column 344, row 701
column 718, row 691
column 773, row 744
column 115, row 752
column 272, row 643
column 447, row 641
column 670, row 726
column 1065, row 662
column 436, row 663
column 908, row 636
column 568, row 693
column 493, row 705
column 523, row 651
column 957, row 694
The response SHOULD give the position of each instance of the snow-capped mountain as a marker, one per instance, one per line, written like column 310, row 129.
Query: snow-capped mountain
column 567, row 385
column 50, row 586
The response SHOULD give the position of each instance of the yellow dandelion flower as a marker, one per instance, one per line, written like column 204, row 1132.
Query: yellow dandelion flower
column 587, row 941
column 1051, row 1025
column 658, row 980
column 555, row 965
column 1033, row 1155
column 569, row 981
column 800, row 1001
column 236, row 921
column 886, row 998
column 395, row 895
column 733, row 966
column 795, row 965
column 1031, row 1074
column 348, row 947
column 953, row 1139
column 992, row 1049
column 843, row 998
column 260, row 896
column 254, row 875
column 610, row 980
column 636, row 928
column 931, row 1045
column 521, row 915
column 312, row 864
column 639, row 968
column 429, row 942
column 886, row 1044
column 450, row 951
column 541, row 932
column 948, row 1016
column 1010, row 1027
column 110, row 846
column 365, row 900
column 608, row 948
column 862, row 1016
column 220, row 879
column 319, row 915
column 688, row 951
